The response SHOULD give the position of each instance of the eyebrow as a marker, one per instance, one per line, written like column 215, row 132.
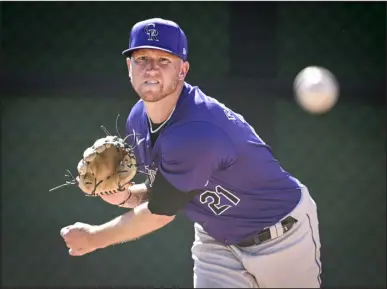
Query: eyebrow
column 162, row 55
column 138, row 53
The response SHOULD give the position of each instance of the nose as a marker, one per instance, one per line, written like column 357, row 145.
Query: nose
column 152, row 66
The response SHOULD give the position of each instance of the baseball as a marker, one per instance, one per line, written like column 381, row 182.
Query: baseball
column 316, row 89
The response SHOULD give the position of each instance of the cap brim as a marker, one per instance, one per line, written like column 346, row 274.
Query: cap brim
column 128, row 52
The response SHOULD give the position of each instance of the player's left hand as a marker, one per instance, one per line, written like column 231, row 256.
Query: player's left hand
column 80, row 238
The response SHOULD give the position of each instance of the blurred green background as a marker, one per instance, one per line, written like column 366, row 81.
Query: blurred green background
column 63, row 75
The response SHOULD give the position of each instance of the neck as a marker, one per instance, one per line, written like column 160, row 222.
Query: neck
column 159, row 111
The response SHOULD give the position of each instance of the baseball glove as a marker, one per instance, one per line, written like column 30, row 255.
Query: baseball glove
column 107, row 167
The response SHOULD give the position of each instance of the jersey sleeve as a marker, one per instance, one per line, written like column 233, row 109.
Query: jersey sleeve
column 192, row 152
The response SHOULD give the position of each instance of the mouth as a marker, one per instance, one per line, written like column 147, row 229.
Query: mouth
column 151, row 82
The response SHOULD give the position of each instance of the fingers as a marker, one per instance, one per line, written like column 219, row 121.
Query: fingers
column 76, row 238
column 69, row 231
column 78, row 252
column 64, row 231
column 69, row 235
column 74, row 251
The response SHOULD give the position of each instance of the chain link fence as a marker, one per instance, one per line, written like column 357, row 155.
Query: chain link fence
column 66, row 77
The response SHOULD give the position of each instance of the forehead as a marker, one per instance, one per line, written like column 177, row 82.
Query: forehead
column 153, row 53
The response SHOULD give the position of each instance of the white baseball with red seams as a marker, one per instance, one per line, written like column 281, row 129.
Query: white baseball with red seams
column 316, row 89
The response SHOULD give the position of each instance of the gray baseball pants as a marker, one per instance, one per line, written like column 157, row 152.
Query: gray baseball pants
column 290, row 260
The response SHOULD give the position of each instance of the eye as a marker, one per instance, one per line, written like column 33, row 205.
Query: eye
column 141, row 58
column 164, row 60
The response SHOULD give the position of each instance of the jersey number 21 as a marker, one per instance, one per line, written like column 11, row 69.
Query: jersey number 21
column 213, row 199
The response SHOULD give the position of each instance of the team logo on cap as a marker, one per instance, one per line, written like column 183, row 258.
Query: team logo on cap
column 151, row 32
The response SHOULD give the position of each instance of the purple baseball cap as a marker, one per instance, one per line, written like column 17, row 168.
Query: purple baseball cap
column 157, row 33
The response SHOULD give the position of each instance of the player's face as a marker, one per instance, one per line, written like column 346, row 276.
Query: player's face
column 155, row 74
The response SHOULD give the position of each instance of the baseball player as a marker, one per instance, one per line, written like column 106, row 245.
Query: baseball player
column 256, row 226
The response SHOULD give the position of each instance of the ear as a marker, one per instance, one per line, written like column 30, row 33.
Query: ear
column 129, row 64
column 184, row 70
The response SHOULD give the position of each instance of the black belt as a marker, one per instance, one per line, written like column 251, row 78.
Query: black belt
column 265, row 234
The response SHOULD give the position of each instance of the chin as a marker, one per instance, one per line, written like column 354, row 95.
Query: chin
column 151, row 96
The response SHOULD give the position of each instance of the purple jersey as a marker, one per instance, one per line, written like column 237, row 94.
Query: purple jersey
column 206, row 146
